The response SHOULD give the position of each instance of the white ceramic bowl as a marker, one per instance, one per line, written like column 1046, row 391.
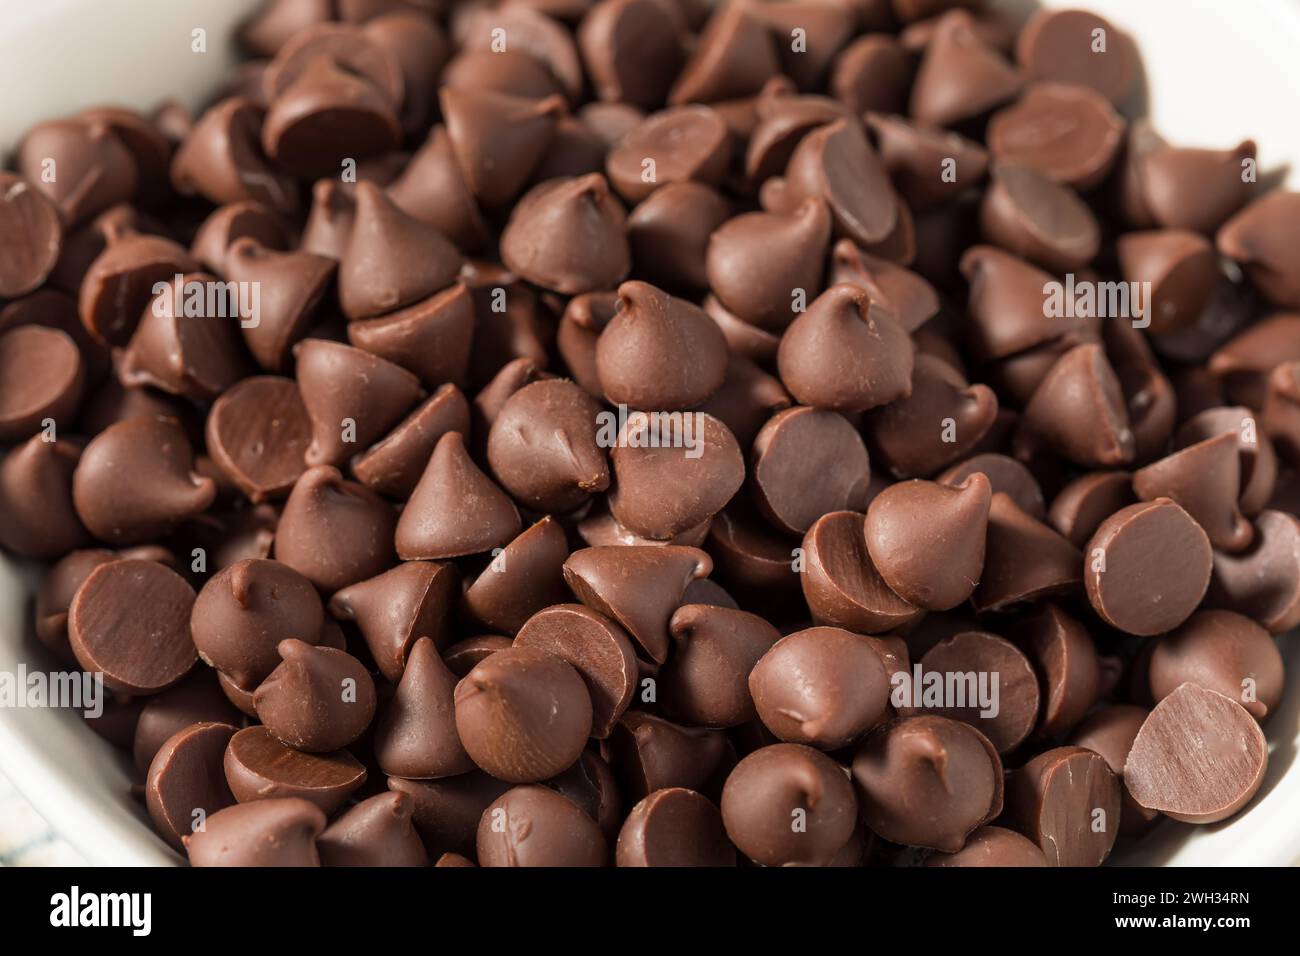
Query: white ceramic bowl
column 1217, row 72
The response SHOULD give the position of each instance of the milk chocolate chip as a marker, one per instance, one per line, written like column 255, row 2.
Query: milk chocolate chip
column 951, row 521
column 1199, row 757
column 1147, row 567
column 135, row 481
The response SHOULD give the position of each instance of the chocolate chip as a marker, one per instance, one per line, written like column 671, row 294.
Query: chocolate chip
column 433, row 190
column 497, row 138
column 31, row 234
column 447, row 812
column 917, row 157
column 543, row 447
column 597, row 648
column 992, row 847
column 1067, row 664
column 393, row 465
column 705, row 679
column 415, row 736
column 1081, row 506
column 662, row 490
column 903, row 293
column 1199, row 757
column 1008, row 723
column 329, row 222
column 1110, row 732
column 525, row 578
column 747, row 399
column 760, row 263
column 398, row 607
column 674, row 827
column 631, row 49
column 38, row 518
column 928, row 781
column 120, row 282
column 1079, row 411
column 535, row 826
column 1258, row 459
column 1027, row 213
column 1181, row 269
column 789, row 805
column 135, row 481
column 733, row 57
column 295, row 284
column 840, row 581
column 659, row 352
column 1244, row 362
column 939, row 422
column 93, row 169
column 947, row 571
column 668, row 232
column 435, row 523
column 1076, row 46
column 181, row 350
column 1168, row 175
column 1205, row 478
column 638, row 587
column 807, row 462
column 538, row 35
column 837, row 164
column 222, row 160
column 325, row 115
column 335, row 532
column 758, row 345
column 54, row 309
column 846, row 353
column 1068, row 133
column 257, row 432
column 1024, row 560
column 1223, row 652
column 245, row 610
column 680, row 144
column 1263, row 582
column 376, row 832
column 1067, row 801
column 783, row 120
column 464, row 656
column 1260, row 238
column 259, row 767
column 568, row 235
column 826, row 28
column 343, row 45
column 649, row 753
column 279, row 832
column 1147, row 567
column 430, row 338
column 418, row 46
column 391, row 259
column 824, row 687
column 523, row 714
column 195, row 700
column 185, row 784
column 319, row 699
column 873, row 72
column 960, row 76
column 129, row 621
column 351, row 397
column 233, row 221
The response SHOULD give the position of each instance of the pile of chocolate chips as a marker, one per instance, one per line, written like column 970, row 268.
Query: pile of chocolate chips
column 808, row 433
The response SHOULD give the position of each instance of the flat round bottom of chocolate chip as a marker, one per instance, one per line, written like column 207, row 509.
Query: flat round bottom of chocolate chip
column 1199, row 757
